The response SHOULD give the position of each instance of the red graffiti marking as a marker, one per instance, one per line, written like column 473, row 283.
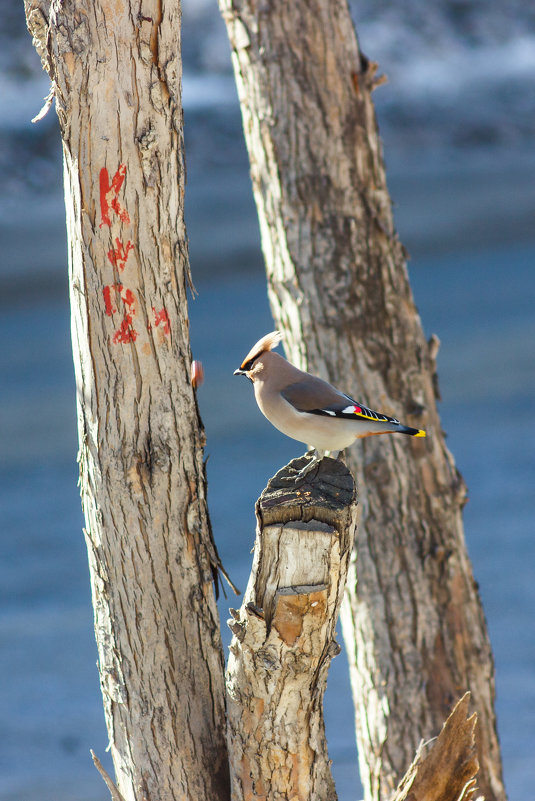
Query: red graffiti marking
column 110, row 309
column 119, row 254
column 129, row 300
column 106, row 189
column 161, row 317
column 126, row 332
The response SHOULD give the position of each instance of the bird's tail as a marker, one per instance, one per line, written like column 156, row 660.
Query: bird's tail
column 412, row 432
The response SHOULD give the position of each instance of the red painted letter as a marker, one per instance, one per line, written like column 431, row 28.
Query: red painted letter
column 125, row 333
column 119, row 254
column 110, row 308
column 161, row 317
column 106, row 189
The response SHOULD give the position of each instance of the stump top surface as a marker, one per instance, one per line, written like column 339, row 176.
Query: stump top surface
column 326, row 494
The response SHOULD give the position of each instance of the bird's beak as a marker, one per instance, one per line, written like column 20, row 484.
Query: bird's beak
column 239, row 372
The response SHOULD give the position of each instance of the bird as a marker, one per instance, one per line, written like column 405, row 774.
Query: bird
column 309, row 409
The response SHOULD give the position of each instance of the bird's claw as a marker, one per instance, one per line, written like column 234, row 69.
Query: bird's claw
column 312, row 467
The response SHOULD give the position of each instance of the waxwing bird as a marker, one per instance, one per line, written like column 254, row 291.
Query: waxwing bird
column 308, row 409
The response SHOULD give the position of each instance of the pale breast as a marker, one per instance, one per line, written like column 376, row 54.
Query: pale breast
column 321, row 433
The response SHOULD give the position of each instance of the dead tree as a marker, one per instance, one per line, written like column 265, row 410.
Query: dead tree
column 339, row 290
column 284, row 636
column 284, row 640
column 116, row 78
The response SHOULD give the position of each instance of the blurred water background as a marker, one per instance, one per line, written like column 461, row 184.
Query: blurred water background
column 457, row 120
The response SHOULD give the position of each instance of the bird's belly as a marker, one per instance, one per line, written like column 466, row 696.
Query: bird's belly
column 321, row 433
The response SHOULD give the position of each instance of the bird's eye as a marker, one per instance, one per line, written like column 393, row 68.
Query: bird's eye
column 248, row 365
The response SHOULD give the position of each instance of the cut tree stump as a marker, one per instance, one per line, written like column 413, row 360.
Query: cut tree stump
column 284, row 635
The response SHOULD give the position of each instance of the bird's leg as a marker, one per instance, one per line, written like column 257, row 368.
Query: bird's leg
column 314, row 464
column 333, row 454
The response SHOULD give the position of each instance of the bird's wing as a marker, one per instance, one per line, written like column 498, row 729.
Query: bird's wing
column 315, row 396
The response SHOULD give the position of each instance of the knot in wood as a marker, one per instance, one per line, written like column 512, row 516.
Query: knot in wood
column 237, row 628
column 265, row 658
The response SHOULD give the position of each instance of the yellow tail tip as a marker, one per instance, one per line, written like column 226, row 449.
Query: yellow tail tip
column 421, row 434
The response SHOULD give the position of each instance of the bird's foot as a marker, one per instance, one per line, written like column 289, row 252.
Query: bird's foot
column 309, row 470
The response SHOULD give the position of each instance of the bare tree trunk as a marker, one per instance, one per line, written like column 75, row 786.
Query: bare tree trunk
column 339, row 290
column 284, row 636
column 116, row 72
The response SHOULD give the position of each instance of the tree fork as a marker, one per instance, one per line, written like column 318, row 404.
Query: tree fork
column 284, row 635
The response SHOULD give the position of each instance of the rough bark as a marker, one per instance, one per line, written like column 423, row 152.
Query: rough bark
column 116, row 73
column 339, row 291
column 284, row 636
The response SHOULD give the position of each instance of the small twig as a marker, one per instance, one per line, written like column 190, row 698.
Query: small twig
column 228, row 579
column 49, row 99
column 112, row 787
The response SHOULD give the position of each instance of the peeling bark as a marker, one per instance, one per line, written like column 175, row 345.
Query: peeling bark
column 447, row 770
column 116, row 73
column 284, row 636
column 339, row 291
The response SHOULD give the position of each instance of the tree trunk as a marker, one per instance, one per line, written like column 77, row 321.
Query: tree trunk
column 339, row 291
column 284, row 636
column 116, row 72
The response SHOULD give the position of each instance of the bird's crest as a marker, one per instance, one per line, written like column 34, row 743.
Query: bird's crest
column 268, row 342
